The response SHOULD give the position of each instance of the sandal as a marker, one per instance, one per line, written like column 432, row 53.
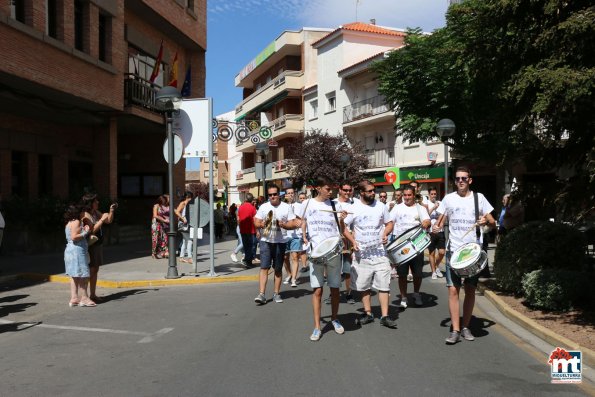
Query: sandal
column 87, row 304
column 73, row 303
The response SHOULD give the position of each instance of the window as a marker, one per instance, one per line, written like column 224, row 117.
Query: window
column 331, row 102
column 51, row 21
column 141, row 65
column 190, row 5
column 79, row 25
column 105, row 36
column 17, row 10
column 313, row 109
column 19, row 174
column 45, row 175
column 141, row 185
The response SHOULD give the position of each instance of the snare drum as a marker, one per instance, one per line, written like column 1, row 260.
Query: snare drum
column 327, row 253
column 408, row 245
column 468, row 260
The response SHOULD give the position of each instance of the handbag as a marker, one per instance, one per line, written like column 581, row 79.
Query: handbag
column 92, row 240
column 183, row 227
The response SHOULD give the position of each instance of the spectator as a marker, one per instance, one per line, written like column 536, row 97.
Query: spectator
column 183, row 213
column 515, row 214
column 159, row 228
column 219, row 221
column 76, row 260
column 246, row 213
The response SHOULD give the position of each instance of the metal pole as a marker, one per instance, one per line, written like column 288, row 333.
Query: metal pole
column 445, row 167
column 172, row 269
column 211, row 195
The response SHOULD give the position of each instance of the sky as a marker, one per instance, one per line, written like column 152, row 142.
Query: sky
column 237, row 30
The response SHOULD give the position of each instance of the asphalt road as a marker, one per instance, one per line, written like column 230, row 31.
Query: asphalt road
column 213, row 340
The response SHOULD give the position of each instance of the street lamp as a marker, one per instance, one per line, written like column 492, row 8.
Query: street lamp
column 344, row 160
column 262, row 149
column 169, row 99
column 445, row 129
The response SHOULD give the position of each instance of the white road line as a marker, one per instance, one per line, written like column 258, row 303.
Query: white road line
column 147, row 336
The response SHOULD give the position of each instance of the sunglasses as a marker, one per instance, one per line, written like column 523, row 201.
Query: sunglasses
column 461, row 178
column 369, row 191
column 347, row 190
column 273, row 194
column 382, row 196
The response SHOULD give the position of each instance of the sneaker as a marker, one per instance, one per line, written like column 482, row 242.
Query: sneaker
column 277, row 298
column 438, row 273
column 418, row 300
column 338, row 327
column 256, row 260
column 365, row 318
column 403, row 303
column 453, row 338
column 434, row 276
column 286, row 281
column 247, row 265
column 387, row 322
column 410, row 277
column 234, row 257
column 467, row 335
column 305, row 269
column 349, row 299
column 315, row 335
column 327, row 300
column 294, row 283
column 260, row 299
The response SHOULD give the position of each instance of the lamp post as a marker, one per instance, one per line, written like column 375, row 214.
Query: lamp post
column 344, row 160
column 445, row 129
column 169, row 100
column 262, row 149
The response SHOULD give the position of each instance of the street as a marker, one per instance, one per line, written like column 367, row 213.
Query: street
column 213, row 340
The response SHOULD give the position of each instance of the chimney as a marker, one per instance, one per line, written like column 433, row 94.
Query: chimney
column 373, row 21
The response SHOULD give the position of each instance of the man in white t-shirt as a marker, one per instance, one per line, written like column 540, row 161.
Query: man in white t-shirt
column 371, row 225
column 405, row 216
column 274, row 218
column 459, row 207
column 437, row 246
column 320, row 223
column 294, row 244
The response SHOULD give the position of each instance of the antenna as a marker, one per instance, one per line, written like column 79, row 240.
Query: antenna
column 356, row 4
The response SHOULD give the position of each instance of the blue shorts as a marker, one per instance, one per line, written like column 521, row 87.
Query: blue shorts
column 294, row 245
column 454, row 280
column 272, row 255
column 346, row 259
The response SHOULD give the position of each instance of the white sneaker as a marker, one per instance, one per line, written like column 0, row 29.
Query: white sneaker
column 294, row 283
column 410, row 277
column 434, row 276
column 403, row 303
column 418, row 300
column 234, row 257
column 439, row 273
column 286, row 281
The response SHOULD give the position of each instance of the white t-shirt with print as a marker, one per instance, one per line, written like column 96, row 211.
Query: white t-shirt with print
column 295, row 209
column 367, row 223
column 320, row 222
column 406, row 217
column 280, row 213
column 461, row 217
column 434, row 215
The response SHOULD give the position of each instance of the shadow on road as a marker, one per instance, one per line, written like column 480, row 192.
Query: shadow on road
column 117, row 296
column 478, row 325
column 5, row 310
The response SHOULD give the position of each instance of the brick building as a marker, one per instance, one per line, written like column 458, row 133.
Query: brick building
column 77, row 109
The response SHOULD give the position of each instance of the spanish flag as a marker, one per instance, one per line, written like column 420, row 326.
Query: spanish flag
column 173, row 73
column 157, row 66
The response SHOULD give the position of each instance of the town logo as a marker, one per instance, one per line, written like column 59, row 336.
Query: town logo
column 566, row 366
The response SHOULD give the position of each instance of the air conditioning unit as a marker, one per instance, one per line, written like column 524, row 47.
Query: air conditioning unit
column 239, row 175
column 279, row 166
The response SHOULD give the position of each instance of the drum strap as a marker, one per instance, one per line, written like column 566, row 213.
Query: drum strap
column 336, row 217
column 476, row 201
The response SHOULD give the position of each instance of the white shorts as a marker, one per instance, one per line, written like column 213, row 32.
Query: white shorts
column 371, row 273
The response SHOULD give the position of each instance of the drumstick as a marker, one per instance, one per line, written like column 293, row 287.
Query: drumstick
column 470, row 229
column 337, row 212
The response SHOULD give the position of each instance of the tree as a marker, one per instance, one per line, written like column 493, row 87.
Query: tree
column 517, row 77
column 200, row 190
column 319, row 154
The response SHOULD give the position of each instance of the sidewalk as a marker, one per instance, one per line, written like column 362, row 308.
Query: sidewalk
column 131, row 265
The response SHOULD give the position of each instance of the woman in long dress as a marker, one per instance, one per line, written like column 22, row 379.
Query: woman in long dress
column 159, row 228
column 76, row 260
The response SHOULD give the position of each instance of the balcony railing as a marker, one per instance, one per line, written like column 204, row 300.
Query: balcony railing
column 276, row 82
column 366, row 108
column 138, row 91
column 275, row 125
column 380, row 157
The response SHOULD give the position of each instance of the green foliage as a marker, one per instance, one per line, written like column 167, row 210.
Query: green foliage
column 534, row 246
column 516, row 76
column 555, row 289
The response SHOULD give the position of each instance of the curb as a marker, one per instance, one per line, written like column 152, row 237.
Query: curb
column 134, row 283
column 536, row 329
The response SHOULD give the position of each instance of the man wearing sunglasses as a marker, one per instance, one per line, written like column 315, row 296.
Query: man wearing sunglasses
column 274, row 217
column 371, row 226
column 459, row 207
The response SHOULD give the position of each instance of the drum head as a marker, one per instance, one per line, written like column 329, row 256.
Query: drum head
column 325, row 246
column 407, row 234
column 465, row 255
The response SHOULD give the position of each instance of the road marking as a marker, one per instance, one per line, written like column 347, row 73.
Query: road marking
column 147, row 336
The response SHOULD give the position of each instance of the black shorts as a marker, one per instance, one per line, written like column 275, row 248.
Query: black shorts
column 437, row 240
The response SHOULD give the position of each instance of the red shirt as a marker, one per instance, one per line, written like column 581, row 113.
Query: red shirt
column 246, row 213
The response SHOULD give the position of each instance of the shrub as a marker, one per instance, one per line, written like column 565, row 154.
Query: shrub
column 535, row 246
column 554, row 289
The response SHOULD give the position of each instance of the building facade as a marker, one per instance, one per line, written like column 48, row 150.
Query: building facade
column 77, row 102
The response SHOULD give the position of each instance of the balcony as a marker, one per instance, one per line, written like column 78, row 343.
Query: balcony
column 141, row 92
column 365, row 109
column 284, row 126
column 378, row 158
column 289, row 82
